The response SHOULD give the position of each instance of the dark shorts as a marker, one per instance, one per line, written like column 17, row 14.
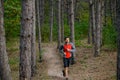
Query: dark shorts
column 66, row 62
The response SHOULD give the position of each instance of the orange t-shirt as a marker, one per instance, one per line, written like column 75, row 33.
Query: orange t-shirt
column 67, row 46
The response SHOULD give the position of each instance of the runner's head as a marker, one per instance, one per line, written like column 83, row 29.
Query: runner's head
column 67, row 39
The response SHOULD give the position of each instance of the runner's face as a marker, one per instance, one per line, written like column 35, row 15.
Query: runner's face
column 67, row 40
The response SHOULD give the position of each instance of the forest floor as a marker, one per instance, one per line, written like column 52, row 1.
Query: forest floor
column 87, row 67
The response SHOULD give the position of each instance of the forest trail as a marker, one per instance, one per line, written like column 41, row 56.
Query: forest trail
column 54, row 62
column 87, row 67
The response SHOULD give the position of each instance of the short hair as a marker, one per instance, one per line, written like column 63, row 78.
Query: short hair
column 65, row 38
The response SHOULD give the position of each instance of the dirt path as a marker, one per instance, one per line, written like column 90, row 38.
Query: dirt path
column 87, row 67
column 54, row 62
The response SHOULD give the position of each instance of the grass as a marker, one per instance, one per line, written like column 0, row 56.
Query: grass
column 82, row 43
column 14, row 61
column 91, row 68
column 109, row 37
column 85, row 62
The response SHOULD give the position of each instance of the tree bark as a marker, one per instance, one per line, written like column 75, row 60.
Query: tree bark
column 72, row 21
column 41, row 12
column 51, row 20
column 59, row 23
column 118, row 54
column 111, row 10
column 77, row 10
column 42, row 16
column 105, row 13
column 101, row 20
column 25, row 40
column 62, row 21
column 93, row 21
column 98, row 28
column 68, row 11
column 4, row 66
column 90, row 21
column 114, row 12
column 33, row 42
column 39, row 29
column 92, row 28
column 118, row 39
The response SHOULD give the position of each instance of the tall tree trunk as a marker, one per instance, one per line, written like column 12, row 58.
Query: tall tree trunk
column 72, row 21
column 111, row 10
column 51, row 20
column 93, row 29
column 42, row 16
column 25, row 40
column 59, row 23
column 41, row 12
column 39, row 28
column 62, row 21
column 114, row 12
column 102, row 18
column 118, row 30
column 77, row 10
column 68, row 11
column 90, row 21
column 4, row 66
column 98, row 28
column 105, row 13
column 118, row 53
column 33, row 42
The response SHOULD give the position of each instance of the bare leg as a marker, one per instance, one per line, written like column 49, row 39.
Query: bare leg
column 66, row 72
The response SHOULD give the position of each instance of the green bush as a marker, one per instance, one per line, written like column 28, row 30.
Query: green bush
column 109, row 36
column 12, row 18
column 12, row 24
column 81, row 30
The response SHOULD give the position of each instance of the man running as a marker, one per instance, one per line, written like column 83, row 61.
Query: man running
column 67, row 50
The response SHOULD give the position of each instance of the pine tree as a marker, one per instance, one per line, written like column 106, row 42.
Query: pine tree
column 25, row 39
column 4, row 66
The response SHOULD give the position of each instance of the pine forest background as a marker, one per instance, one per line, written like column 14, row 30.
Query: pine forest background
column 12, row 23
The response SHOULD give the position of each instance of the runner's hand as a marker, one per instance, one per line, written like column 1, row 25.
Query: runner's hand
column 68, row 50
column 64, row 53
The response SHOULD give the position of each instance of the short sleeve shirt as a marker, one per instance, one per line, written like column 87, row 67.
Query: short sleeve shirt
column 67, row 46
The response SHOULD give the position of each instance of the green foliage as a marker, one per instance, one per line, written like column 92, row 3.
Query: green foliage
column 12, row 18
column 45, row 33
column 14, row 61
column 12, row 24
column 66, row 30
column 78, row 43
column 81, row 30
column 55, row 32
column 109, row 36
column 13, row 53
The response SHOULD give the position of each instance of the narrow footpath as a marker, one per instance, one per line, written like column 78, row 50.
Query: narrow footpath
column 54, row 62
